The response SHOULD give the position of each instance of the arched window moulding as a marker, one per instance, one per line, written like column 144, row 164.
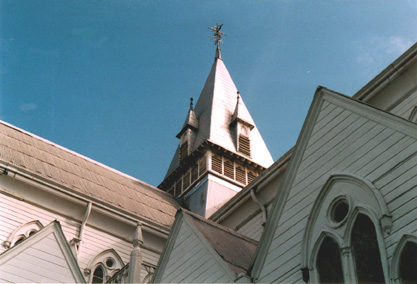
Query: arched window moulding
column 395, row 262
column 23, row 231
column 361, row 197
column 102, row 259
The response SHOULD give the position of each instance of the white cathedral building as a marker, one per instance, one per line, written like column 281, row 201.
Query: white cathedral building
column 340, row 206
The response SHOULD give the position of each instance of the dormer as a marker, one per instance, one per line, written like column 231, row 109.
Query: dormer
column 241, row 128
column 187, row 133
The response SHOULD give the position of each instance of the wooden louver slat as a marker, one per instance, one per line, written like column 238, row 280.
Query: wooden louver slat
column 244, row 145
column 251, row 176
column 240, row 175
column 228, row 169
column 216, row 163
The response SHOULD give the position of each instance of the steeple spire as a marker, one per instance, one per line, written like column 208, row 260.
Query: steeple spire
column 217, row 37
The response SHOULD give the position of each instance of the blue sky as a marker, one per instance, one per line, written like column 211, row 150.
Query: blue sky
column 112, row 79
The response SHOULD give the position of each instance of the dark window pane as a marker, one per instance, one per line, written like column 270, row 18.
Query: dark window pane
column 408, row 263
column 366, row 251
column 21, row 239
column 329, row 263
column 98, row 275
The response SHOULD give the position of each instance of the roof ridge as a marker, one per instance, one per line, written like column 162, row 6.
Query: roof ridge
column 81, row 156
column 218, row 226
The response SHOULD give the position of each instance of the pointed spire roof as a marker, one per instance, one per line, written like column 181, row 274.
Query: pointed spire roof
column 215, row 110
column 191, row 120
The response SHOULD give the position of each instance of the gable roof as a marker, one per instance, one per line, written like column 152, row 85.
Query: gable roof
column 230, row 250
column 370, row 112
column 235, row 249
column 27, row 153
column 48, row 248
column 214, row 110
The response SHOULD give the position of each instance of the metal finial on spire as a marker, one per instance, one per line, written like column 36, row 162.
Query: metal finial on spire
column 238, row 96
column 217, row 37
column 191, row 103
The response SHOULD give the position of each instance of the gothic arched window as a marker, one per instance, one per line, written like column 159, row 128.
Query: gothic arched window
column 408, row 263
column 103, row 266
column 22, row 232
column 329, row 265
column 98, row 275
column 343, row 239
column 366, row 251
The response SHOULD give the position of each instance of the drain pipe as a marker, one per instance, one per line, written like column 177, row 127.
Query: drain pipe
column 261, row 206
column 77, row 240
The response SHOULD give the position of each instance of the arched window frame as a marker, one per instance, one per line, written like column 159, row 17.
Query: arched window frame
column 23, row 231
column 395, row 262
column 100, row 260
column 362, row 198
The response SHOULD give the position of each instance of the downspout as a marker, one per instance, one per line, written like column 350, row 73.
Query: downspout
column 77, row 241
column 261, row 206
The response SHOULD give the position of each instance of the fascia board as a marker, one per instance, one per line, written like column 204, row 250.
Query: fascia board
column 370, row 112
column 166, row 252
column 387, row 75
column 282, row 193
column 207, row 245
column 67, row 251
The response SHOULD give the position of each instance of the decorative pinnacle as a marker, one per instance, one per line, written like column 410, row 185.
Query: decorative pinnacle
column 217, row 37
column 238, row 96
column 191, row 103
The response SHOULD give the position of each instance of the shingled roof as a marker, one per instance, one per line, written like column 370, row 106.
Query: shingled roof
column 235, row 249
column 48, row 161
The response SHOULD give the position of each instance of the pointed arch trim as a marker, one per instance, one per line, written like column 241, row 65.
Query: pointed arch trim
column 381, row 212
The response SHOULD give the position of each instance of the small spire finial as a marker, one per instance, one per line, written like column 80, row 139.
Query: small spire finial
column 217, row 37
column 191, row 103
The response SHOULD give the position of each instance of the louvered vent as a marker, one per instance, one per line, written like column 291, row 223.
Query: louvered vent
column 194, row 173
column 228, row 169
column 251, row 176
column 202, row 165
column 244, row 145
column 186, row 181
column 240, row 175
column 178, row 187
column 216, row 163
column 183, row 151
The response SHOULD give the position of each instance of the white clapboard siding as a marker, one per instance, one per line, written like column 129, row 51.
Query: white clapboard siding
column 42, row 262
column 14, row 213
column 404, row 108
column 190, row 261
column 345, row 142
column 96, row 241
column 253, row 228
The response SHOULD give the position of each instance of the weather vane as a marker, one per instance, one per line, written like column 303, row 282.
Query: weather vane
column 217, row 37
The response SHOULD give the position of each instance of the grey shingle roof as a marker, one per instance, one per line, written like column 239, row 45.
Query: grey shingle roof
column 46, row 160
column 235, row 249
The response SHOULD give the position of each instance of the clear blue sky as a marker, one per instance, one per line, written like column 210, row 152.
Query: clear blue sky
column 112, row 79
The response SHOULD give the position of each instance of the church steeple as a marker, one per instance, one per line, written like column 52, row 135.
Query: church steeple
column 225, row 150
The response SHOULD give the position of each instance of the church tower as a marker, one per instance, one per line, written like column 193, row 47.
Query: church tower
column 220, row 149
